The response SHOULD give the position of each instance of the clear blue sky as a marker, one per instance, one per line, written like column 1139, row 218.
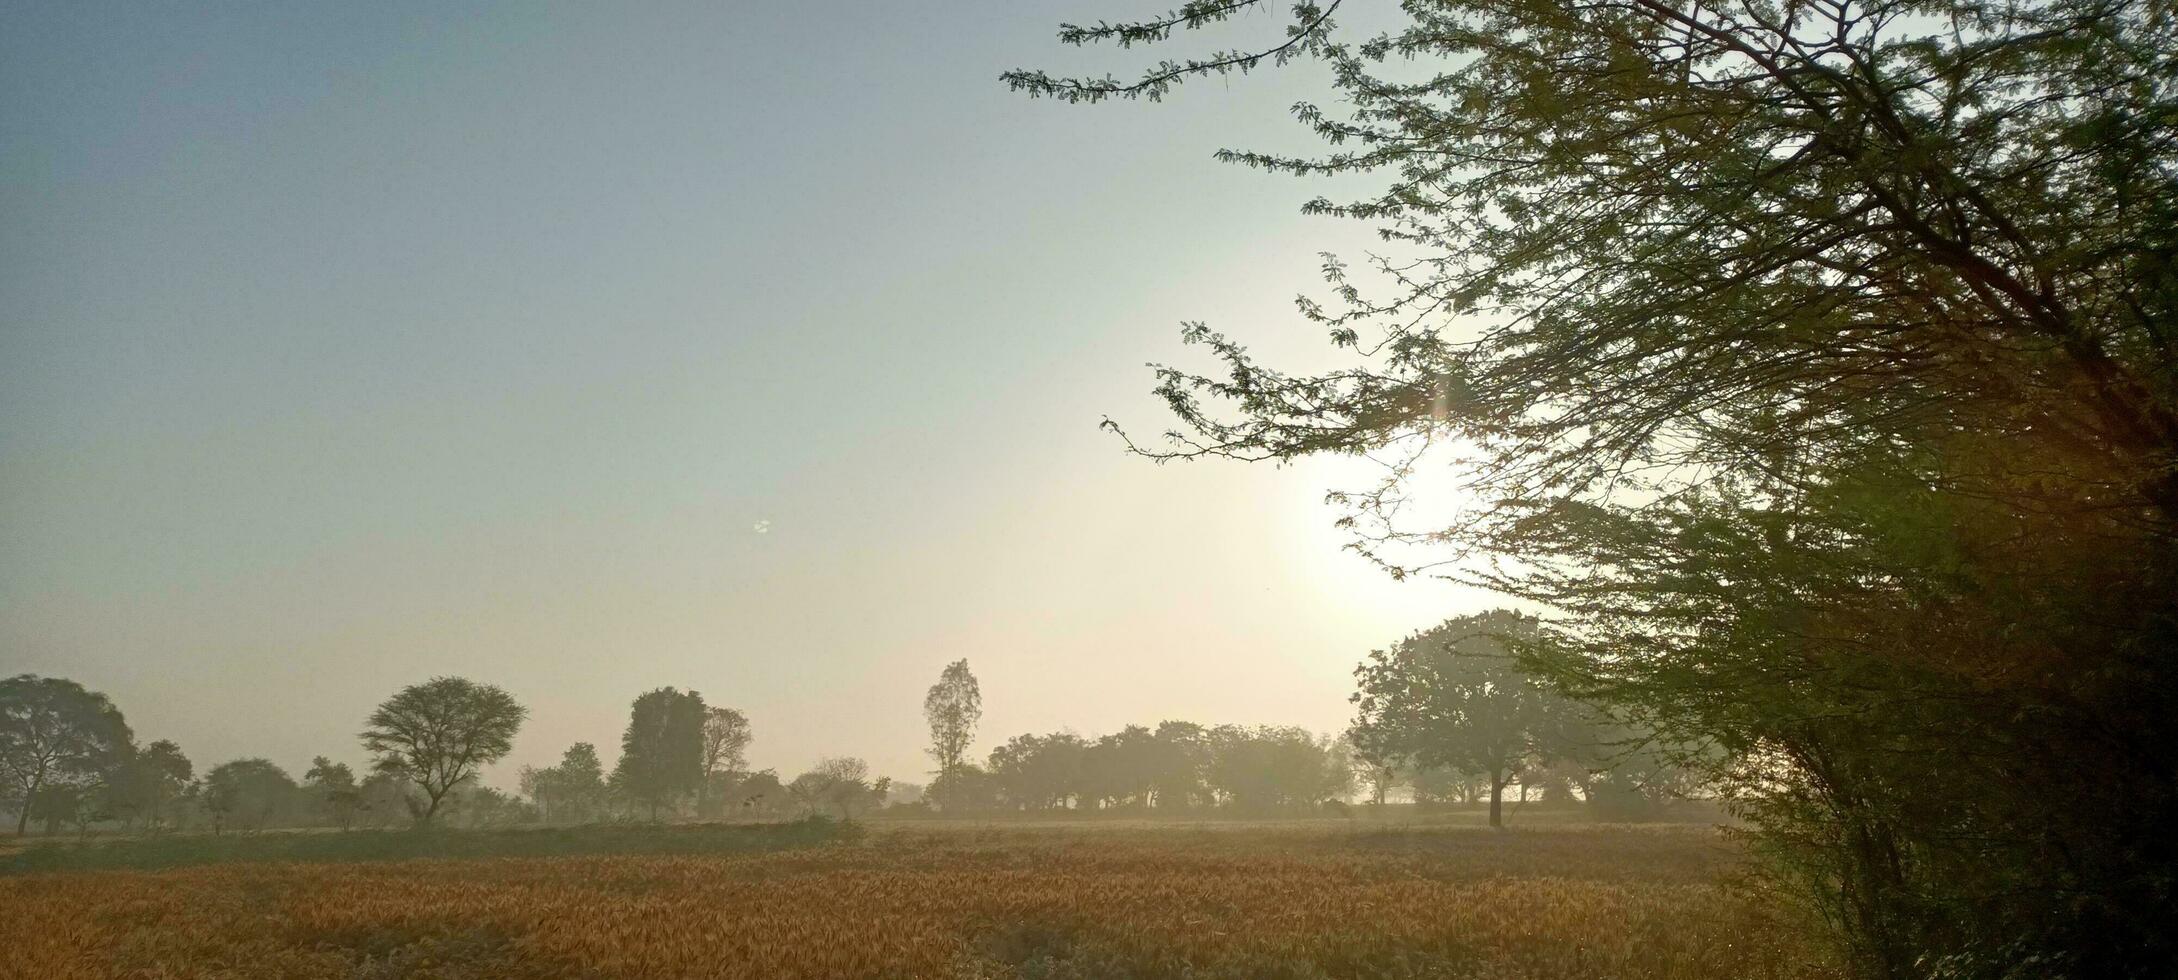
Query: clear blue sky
column 349, row 344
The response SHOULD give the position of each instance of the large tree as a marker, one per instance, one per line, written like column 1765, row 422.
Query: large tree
column 1455, row 698
column 661, row 753
column 953, row 707
column 440, row 732
column 1039, row 771
column 250, row 793
column 154, row 777
column 54, row 733
column 1816, row 364
column 1269, row 768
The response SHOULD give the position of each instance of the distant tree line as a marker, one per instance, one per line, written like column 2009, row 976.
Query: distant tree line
column 1448, row 715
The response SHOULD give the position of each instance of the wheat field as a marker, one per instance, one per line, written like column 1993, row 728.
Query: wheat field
column 949, row 902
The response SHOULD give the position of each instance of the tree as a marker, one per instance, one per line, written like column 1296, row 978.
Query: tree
column 726, row 739
column 54, row 733
column 571, row 792
column 758, row 794
column 966, row 789
column 1176, row 770
column 1272, row 768
column 582, row 780
column 442, row 731
column 1814, row 361
column 332, row 787
column 842, row 784
column 1455, row 697
column 251, row 793
column 1039, row 771
column 156, row 776
column 953, row 707
column 661, row 754
column 1120, row 769
column 478, row 805
column 383, row 797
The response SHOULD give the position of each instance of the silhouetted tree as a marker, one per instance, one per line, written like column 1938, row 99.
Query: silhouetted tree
column 840, row 784
column 725, row 745
column 1038, row 772
column 953, row 707
column 1455, row 696
column 155, row 777
column 965, row 789
column 442, row 731
column 1272, row 768
column 758, row 794
column 249, row 793
column 572, row 791
column 661, row 754
column 53, row 733
column 384, row 797
column 332, row 788
column 1119, row 769
column 1176, row 769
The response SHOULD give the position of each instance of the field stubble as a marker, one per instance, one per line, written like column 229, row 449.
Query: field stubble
column 952, row 902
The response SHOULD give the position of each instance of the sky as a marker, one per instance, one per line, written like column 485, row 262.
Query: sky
column 583, row 349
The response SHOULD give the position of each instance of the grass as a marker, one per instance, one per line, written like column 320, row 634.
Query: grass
column 182, row 850
column 966, row 902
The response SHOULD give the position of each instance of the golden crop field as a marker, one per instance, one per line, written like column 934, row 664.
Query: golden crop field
column 951, row 902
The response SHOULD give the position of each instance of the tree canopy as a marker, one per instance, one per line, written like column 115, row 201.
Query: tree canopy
column 953, row 707
column 662, row 751
column 1454, row 697
column 1814, row 366
column 442, row 731
column 55, row 734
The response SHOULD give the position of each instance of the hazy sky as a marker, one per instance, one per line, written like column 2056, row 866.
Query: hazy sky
column 344, row 345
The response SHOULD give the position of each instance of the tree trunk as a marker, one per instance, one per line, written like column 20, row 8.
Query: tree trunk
column 1497, row 800
column 37, row 782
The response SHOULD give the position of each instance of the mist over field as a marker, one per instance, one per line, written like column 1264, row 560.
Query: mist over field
column 1316, row 490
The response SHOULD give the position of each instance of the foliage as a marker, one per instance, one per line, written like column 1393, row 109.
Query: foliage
column 841, row 785
column 967, row 788
column 332, row 787
column 1814, row 363
column 1039, row 771
column 440, row 732
column 573, row 791
column 756, row 794
column 661, row 754
column 383, row 798
column 1270, row 768
column 146, row 784
column 249, row 794
column 953, row 707
column 55, row 735
column 1177, row 765
column 1454, row 698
